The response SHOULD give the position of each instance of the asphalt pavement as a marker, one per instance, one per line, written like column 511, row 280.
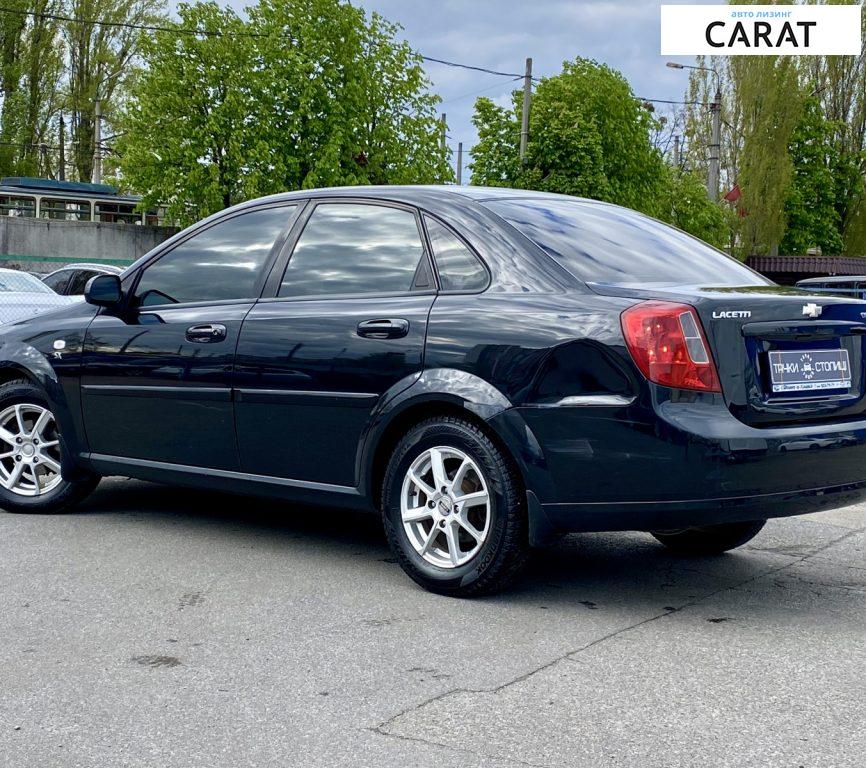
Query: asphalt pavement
column 161, row 627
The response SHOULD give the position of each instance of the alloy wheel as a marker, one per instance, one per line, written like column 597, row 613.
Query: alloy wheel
column 29, row 450
column 445, row 507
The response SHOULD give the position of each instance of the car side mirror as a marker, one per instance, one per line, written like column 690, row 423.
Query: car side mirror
column 103, row 291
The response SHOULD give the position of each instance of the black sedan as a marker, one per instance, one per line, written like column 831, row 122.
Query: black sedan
column 487, row 367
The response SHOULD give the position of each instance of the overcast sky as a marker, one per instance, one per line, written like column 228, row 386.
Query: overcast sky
column 500, row 34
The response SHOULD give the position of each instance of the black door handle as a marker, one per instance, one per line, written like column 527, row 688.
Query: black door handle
column 206, row 334
column 385, row 328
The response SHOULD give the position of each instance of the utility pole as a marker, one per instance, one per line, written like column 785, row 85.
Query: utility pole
column 61, row 172
column 527, row 103
column 715, row 129
column 97, row 142
column 677, row 152
column 715, row 146
column 444, row 131
column 459, row 163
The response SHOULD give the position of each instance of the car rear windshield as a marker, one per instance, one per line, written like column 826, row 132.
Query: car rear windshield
column 20, row 282
column 607, row 244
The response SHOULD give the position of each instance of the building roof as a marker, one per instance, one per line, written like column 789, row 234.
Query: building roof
column 816, row 265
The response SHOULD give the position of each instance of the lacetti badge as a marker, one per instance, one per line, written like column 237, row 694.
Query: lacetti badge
column 760, row 30
column 731, row 314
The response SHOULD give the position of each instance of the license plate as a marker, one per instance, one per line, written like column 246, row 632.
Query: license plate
column 811, row 369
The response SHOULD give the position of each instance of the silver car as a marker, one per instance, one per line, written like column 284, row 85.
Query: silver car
column 23, row 296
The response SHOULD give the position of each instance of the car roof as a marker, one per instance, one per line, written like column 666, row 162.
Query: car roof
column 418, row 194
column 89, row 265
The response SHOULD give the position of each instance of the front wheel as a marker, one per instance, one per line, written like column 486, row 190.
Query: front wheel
column 453, row 509
column 709, row 539
column 30, row 456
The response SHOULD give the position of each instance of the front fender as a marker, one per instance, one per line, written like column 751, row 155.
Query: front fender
column 59, row 381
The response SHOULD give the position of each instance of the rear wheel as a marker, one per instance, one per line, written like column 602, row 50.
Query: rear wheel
column 30, row 456
column 709, row 539
column 453, row 509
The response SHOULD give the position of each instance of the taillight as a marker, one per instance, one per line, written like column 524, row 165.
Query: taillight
column 668, row 345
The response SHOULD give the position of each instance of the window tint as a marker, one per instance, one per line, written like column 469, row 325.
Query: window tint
column 607, row 244
column 459, row 269
column 57, row 282
column 350, row 248
column 79, row 281
column 221, row 263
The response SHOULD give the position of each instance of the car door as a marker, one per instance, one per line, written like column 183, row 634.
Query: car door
column 156, row 375
column 342, row 327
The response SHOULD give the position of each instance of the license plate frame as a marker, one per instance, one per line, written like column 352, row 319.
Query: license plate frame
column 809, row 370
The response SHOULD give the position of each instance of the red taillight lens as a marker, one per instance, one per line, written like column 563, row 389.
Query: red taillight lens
column 668, row 345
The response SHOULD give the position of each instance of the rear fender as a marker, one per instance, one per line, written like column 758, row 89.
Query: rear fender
column 455, row 390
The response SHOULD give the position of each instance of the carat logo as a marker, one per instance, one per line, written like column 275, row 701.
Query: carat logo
column 760, row 30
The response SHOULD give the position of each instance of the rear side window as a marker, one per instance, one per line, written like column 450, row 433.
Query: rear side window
column 353, row 248
column 607, row 244
column 220, row 263
column 57, row 282
column 79, row 281
column 459, row 269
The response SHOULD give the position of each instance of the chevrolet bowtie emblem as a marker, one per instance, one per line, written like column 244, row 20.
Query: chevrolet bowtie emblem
column 812, row 310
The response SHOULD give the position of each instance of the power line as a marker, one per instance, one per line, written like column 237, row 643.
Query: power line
column 469, row 66
column 482, row 90
column 126, row 24
column 668, row 101
column 206, row 33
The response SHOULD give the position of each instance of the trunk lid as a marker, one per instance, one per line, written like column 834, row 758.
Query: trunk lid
column 784, row 356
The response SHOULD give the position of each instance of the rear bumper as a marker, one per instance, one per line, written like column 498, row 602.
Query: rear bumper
column 678, row 464
column 668, row 515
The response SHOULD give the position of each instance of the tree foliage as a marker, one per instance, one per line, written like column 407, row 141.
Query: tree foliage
column 771, row 100
column 687, row 206
column 590, row 137
column 811, row 216
column 770, row 134
column 304, row 93
column 52, row 67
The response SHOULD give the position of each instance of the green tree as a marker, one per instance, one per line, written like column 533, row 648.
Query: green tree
column 303, row 94
column 687, row 206
column 771, row 100
column 588, row 136
column 100, row 58
column 812, row 219
column 30, row 81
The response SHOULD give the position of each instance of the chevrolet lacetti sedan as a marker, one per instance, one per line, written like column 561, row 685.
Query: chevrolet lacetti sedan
column 487, row 367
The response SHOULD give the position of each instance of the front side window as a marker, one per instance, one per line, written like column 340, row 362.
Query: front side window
column 608, row 244
column 353, row 248
column 221, row 263
column 459, row 269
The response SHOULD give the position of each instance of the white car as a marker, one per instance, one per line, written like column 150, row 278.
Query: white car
column 23, row 296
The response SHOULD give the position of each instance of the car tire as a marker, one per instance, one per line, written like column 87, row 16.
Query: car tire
column 709, row 539
column 58, row 494
column 479, row 546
